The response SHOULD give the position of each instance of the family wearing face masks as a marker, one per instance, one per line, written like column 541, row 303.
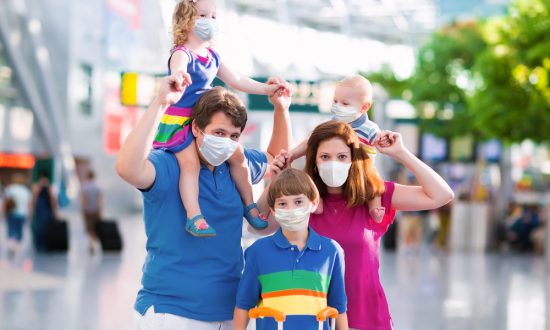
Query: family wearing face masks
column 196, row 185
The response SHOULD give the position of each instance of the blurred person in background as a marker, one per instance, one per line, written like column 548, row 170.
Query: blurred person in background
column 18, row 200
column 91, row 200
column 444, row 217
column 519, row 232
column 44, row 206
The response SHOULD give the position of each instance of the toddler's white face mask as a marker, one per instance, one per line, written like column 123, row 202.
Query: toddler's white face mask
column 293, row 219
column 347, row 114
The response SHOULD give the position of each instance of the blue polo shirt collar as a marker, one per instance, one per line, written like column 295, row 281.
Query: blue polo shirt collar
column 313, row 241
column 359, row 121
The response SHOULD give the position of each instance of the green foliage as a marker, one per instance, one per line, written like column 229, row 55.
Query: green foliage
column 443, row 79
column 513, row 101
column 489, row 79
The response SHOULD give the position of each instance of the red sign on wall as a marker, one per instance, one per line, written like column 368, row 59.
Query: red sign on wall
column 22, row 161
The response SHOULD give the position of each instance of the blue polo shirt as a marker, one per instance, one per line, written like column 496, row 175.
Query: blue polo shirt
column 297, row 283
column 193, row 277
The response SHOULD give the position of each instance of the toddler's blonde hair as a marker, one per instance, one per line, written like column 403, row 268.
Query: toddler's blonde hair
column 361, row 84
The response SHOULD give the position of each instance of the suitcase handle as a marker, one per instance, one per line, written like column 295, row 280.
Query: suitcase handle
column 327, row 312
column 254, row 313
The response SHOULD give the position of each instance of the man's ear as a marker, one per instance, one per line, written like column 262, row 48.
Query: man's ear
column 194, row 129
column 366, row 107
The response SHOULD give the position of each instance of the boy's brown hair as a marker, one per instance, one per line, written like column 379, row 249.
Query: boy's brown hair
column 292, row 182
column 219, row 99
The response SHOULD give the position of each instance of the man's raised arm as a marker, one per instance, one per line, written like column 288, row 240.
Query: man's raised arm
column 132, row 164
column 281, row 136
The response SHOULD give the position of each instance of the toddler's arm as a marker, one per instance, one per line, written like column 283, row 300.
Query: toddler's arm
column 297, row 152
column 247, row 85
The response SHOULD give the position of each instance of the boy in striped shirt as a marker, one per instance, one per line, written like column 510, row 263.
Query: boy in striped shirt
column 295, row 271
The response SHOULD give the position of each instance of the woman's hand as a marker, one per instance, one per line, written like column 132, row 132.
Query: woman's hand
column 390, row 143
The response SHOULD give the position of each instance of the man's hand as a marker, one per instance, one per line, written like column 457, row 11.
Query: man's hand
column 171, row 88
column 282, row 97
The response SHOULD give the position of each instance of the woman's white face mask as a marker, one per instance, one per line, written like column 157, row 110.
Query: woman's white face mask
column 334, row 173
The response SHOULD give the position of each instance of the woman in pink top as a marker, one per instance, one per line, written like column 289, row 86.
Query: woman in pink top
column 346, row 179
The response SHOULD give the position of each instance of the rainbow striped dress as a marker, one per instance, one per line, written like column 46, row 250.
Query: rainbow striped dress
column 173, row 133
column 297, row 283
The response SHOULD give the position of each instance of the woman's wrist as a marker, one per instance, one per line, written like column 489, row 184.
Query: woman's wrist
column 403, row 156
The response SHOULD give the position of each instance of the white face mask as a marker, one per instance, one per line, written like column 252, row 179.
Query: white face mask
column 343, row 113
column 293, row 219
column 217, row 150
column 206, row 28
column 334, row 174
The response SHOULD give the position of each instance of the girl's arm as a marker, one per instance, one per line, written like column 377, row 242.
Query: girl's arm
column 240, row 319
column 178, row 67
column 433, row 192
column 245, row 84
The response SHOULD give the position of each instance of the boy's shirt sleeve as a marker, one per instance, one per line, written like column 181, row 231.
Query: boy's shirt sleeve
column 257, row 163
column 249, row 290
column 337, row 291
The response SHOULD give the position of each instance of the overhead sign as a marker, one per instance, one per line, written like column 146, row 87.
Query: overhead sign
column 138, row 89
column 21, row 161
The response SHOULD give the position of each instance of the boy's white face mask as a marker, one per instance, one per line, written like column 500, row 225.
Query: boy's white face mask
column 293, row 219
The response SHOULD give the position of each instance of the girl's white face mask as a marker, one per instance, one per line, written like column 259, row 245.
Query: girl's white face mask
column 333, row 173
column 293, row 219
column 206, row 28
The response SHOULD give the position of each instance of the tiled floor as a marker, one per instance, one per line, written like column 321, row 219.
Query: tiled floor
column 425, row 291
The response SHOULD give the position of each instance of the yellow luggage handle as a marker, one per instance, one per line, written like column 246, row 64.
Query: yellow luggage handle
column 254, row 313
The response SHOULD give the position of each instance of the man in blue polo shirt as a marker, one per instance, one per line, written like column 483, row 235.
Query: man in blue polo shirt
column 190, row 282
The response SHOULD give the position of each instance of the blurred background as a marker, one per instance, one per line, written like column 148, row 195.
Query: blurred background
column 465, row 82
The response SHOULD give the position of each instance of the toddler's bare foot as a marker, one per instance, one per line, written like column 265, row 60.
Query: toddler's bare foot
column 378, row 213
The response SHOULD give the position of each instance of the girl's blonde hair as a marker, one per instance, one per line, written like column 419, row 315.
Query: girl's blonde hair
column 183, row 21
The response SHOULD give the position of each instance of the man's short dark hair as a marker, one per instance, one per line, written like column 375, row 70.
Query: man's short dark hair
column 219, row 99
